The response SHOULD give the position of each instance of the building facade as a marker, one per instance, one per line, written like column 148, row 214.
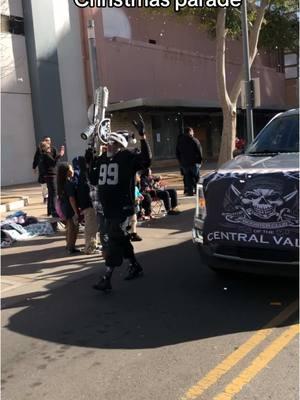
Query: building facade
column 163, row 67
column 43, row 90
column 17, row 126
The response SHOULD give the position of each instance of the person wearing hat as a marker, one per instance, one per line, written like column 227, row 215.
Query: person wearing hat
column 114, row 174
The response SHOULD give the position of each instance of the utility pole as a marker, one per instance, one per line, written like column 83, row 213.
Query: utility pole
column 93, row 55
column 249, row 112
column 99, row 127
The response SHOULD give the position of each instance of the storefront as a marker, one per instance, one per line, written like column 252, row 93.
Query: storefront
column 164, row 124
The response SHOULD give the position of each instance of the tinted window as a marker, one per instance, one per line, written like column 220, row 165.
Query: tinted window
column 281, row 135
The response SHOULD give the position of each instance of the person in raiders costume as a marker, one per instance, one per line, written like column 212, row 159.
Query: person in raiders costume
column 114, row 173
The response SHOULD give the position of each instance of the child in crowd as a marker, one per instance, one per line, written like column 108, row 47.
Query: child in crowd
column 66, row 192
column 134, row 237
column 145, row 209
column 85, row 205
column 91, row 158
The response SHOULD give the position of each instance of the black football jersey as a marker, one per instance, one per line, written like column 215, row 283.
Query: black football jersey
column 115, row 177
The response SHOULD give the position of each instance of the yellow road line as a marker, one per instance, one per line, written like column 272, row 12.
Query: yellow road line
column 226, row 365
column 260, row 362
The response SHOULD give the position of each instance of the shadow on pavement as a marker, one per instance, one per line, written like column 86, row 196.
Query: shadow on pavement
column 177, row 301
column 180, row 223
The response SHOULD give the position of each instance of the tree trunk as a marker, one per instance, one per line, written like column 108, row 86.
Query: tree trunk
column 228, row 134
column 228, row 108
column 229, row 101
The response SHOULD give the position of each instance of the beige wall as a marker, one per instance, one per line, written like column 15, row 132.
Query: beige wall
column 181, row 65
column 292, row 92
column 17, row 129
column 71, row 74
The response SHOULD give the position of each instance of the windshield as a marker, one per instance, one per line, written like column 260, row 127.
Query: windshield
column 280, row 136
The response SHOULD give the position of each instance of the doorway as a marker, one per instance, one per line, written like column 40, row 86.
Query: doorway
column 165, row 130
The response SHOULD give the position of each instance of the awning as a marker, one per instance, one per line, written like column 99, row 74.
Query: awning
column 178, row 103
column 148, row 102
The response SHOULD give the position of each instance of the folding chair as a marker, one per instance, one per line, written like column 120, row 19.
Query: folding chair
column 157, row 206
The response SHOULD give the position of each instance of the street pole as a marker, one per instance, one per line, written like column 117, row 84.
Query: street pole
column 94, row 77
column 93, row 55
column 249, row 112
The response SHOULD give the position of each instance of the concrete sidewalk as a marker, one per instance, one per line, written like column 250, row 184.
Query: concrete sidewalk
column 28, row 197
column 31, row 268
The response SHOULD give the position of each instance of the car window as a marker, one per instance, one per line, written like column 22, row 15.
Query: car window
column 281, row 135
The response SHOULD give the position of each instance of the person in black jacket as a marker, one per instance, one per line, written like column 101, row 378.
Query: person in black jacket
column 48, row 161
column 189, row 155
column 114, row 172
column 39, row 162
column 38, row 165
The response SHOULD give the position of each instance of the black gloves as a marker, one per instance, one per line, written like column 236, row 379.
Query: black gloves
column 139, row 125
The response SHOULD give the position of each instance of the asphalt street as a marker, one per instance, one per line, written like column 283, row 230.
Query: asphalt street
column 180, row 332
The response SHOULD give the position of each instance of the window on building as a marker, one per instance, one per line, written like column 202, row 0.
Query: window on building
column 290, row 59
column 291, row 66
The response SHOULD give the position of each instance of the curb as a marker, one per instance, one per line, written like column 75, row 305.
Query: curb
column 17, row 204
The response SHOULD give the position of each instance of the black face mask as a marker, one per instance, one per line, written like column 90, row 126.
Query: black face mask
column 113, row 149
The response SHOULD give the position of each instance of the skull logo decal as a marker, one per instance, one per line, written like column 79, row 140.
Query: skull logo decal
column 261, row 202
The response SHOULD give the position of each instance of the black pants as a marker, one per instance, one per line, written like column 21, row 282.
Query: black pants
column 146, row 203
column 169, row 197
column 191, row 176
column 101, row 228
column 119, row 246
column 50, row 181
column 185, row 186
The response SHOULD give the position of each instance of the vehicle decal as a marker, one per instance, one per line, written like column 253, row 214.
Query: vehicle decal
column 254, row 208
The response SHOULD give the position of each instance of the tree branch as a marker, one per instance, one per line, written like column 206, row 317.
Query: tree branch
column 220, row 57
column 255, row 31
column 253, row 40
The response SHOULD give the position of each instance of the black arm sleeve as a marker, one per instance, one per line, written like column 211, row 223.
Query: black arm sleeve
column 54, row 154
column 177, row 152
column 199, row 151
column 36, row 159
column 142, row 160
column 93, row 174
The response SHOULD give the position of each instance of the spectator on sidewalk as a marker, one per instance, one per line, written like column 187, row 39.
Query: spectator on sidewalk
column 66, row 192
column 145, row 208
column 154, row 186
column 85, row 204
column 45, row 159
column 189, row 156
column 48, row 161
column 91, row 160
column 134, row 237
column 38, row 165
